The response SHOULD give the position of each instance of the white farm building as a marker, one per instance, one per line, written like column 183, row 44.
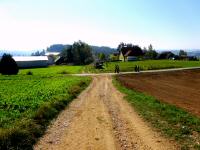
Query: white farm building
column 31, row 61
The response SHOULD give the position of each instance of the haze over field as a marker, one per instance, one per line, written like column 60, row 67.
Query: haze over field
column 35, row 24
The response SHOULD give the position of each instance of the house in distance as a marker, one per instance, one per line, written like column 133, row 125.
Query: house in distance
column 129, row 52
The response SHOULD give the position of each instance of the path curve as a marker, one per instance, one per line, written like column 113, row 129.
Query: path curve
column 100, row 119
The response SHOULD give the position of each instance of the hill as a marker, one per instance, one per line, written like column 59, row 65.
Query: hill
column 103, row 49
column 56, row 47
column 95, row 49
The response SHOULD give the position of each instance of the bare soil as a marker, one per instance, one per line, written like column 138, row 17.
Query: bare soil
column 180, row 88
column 100, row 119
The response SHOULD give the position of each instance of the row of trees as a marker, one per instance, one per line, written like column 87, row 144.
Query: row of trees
column 38, row 53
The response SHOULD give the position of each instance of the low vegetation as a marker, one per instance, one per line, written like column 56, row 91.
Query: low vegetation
column 170, row 120
column 29, row 102
column 144, row 65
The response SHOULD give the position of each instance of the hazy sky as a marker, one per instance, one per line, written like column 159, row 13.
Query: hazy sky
column 36, row 24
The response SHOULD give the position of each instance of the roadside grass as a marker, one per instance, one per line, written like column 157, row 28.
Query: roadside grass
column 53, row 70
column 28, row 103
column 168, row 119
column 144, row 65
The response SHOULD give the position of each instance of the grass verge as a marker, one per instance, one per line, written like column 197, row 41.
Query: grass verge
column 25, row 131
column 168, row 119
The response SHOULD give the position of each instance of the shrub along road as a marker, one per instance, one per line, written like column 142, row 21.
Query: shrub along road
column 100, row 118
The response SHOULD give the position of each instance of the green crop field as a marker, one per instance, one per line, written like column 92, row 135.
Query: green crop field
column 22, row 96
column 29, row 102
column 144, row 65
column 52, row 70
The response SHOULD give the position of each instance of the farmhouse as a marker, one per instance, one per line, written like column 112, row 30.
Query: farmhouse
column 31, row 61
column 127, row 55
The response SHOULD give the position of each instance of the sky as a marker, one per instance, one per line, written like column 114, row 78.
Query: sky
column 36, row 24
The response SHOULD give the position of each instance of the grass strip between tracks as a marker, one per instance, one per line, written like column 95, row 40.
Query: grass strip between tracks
column 171, row 121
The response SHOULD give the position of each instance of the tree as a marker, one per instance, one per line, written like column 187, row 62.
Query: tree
column 182, row 53
column 113, row 57
column 79, row 53
column 8, row 66
column 150, row 48
column 82, row 53
column 137, row 51
column 67, row 55
column 166, row 55
column 151, row 53
column 101, row 56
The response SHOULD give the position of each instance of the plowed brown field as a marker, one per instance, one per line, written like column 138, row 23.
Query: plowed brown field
column 180, row 88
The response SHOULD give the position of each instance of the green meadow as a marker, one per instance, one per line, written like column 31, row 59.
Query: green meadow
column 144, row 65
column 53, row 70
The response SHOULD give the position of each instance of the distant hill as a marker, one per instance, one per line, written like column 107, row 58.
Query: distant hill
column 194, row 53
column 103, row 49
column 95, row 49
column 56, row 47
column 16, row 52
column 191, row 52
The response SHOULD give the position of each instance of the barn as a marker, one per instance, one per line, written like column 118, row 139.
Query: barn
column 31, row 61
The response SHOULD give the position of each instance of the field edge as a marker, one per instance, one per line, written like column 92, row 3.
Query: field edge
column 183, row 127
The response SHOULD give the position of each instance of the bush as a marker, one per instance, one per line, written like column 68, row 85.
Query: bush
column 8, row 66
column 63, row 72
column 74, row 91
column 29, row 73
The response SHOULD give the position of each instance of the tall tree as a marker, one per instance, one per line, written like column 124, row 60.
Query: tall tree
column 151, row 53
column 101, row 56
column 8, row 66
column 150, row 47
column 182, row 53
column 67, row 55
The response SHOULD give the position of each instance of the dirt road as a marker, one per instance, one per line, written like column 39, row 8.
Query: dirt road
column 100, row 119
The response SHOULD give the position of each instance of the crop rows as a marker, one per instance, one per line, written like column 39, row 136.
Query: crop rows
column 21, row 96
